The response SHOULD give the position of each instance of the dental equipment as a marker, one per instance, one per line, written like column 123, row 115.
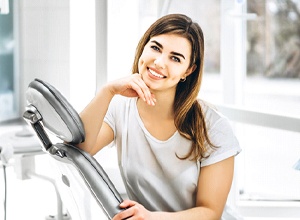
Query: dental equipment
column 48, row 112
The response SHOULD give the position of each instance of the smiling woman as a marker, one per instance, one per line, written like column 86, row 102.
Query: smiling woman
column 171, row 146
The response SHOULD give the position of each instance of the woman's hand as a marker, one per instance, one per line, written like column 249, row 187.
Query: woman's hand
column 133, row 211
column 132, row 86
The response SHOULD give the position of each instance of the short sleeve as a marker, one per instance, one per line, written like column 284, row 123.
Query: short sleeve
column 111, row 114
column 116, row 112
column 223, row 137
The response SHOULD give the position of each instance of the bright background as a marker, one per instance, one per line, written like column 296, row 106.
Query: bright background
column 252, row 63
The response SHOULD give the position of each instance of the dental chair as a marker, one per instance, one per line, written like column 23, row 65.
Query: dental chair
column 81, row 180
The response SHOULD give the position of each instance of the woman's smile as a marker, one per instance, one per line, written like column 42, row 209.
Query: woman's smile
column 155, row 74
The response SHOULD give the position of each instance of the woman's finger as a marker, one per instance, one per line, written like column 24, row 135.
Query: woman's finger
column 127, row 203
column 143, row 90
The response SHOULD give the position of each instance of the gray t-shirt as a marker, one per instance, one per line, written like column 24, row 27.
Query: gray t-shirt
column 152, row 173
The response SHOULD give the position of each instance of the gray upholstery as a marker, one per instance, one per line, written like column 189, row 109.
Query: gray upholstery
column 93, row 175
column 45, row 98
column 61, row 119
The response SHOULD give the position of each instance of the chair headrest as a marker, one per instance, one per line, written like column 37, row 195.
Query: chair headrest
column 59, row 117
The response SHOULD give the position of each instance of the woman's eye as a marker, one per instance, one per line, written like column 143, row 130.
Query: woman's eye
column 155, row 48
column 176, row 59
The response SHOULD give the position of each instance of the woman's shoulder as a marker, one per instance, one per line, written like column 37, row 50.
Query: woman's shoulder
column 119, row 100
column 120, row 103
column 118, row 109
column 211, row 114
column 220, row 133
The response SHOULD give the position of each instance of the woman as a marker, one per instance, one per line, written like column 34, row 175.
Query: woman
column 175, row 153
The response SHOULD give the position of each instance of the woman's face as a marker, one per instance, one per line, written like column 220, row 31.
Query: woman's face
column 164, row 61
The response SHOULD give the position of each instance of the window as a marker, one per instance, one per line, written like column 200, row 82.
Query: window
column 8, row 68
column 272, row 85
column 259, row 74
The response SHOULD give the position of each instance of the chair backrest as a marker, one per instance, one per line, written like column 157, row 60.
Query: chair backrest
column 76, row 171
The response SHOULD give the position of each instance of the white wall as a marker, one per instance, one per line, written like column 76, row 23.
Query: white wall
column 123, row 36
column 44, row 44
column 57, row 44
column 82, row 74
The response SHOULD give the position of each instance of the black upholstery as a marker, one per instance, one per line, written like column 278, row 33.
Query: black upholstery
column 48, row 100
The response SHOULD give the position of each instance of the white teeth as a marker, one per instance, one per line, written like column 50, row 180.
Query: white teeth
column 155, row 74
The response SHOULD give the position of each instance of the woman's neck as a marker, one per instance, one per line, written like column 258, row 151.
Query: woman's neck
column 163, row 108
column 158, row 119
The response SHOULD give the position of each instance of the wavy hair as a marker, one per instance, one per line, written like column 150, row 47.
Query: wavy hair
column 188, row 115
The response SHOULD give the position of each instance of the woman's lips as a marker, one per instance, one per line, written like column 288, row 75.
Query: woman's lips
column 156, row 74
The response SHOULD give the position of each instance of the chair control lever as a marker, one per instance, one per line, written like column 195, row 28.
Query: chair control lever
column 33, row 118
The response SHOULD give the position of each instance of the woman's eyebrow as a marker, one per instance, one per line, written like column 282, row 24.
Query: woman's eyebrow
column 161, row 46
column 178, row 54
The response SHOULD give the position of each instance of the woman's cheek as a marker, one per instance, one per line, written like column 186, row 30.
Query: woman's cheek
column 140, row 64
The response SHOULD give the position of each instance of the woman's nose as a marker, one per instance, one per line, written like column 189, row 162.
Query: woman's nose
column 160, row 63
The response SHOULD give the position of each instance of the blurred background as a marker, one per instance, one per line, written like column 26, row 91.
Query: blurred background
column 252, row 73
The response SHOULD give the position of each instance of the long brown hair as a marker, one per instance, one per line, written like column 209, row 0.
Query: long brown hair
column 189, row 118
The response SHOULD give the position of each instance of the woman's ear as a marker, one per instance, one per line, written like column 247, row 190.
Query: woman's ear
column 191, row 69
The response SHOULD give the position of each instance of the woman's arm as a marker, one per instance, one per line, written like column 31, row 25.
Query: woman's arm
column 92, row 117
column 213, row 188
column 98, row 133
